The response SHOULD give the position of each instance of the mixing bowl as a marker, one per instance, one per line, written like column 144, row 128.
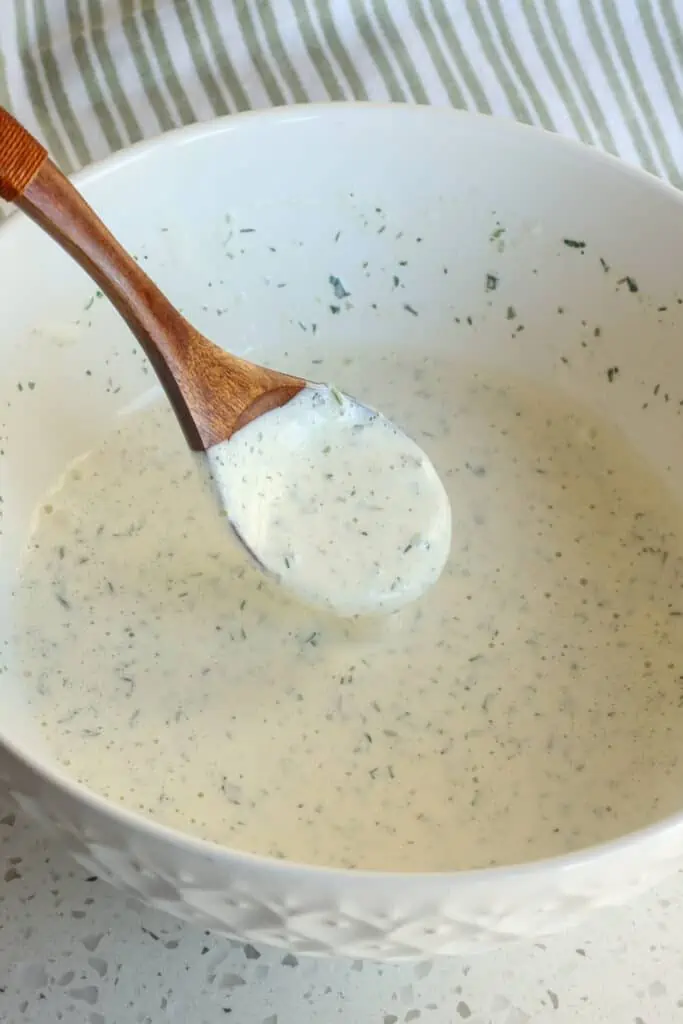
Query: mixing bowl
column 497, row 245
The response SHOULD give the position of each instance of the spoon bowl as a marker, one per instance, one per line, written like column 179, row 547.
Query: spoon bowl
column 336, row 502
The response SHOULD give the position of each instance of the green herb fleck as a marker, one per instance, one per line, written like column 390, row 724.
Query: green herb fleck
column 340, row 292
column 414, row 540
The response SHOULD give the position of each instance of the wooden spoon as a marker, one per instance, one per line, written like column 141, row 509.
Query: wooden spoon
column 340, row 550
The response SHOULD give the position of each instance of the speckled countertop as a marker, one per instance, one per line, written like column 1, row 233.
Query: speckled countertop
column 73, row 950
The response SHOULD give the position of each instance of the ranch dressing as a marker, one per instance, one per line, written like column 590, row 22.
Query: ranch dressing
column 529, row 704
column 336, row 502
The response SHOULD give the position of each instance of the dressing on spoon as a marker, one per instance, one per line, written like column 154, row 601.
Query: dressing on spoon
column 338, row 503
column 366, row 530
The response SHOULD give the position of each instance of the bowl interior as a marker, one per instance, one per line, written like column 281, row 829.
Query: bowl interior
column 289, row 236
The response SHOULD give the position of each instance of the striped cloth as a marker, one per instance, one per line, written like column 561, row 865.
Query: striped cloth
column 91, row 76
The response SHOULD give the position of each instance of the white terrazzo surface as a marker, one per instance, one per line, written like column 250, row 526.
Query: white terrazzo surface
column 74, row 950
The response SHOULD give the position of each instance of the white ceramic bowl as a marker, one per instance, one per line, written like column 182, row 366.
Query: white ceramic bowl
column 444, row 180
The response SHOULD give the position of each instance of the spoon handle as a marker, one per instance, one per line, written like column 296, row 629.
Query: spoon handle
column 192, row 370
column 30, row 180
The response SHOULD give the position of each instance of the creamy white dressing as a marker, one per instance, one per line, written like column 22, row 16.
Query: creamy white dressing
column 529, row 704
column 336, row 502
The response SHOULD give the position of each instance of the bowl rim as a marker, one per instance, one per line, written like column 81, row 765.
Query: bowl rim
column 147, row 827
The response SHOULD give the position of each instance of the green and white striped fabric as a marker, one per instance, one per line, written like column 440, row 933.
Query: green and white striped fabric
column 91, row 76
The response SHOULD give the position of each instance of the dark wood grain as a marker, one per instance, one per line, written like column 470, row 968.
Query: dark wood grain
column 213, row 393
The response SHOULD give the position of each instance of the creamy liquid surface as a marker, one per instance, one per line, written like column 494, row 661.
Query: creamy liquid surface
column 529, row 704
column 335, row 502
